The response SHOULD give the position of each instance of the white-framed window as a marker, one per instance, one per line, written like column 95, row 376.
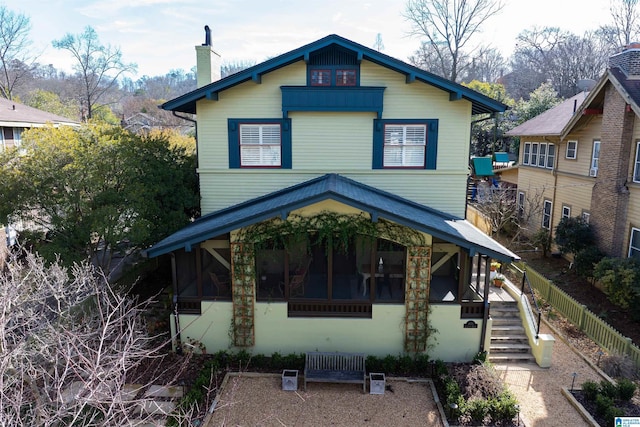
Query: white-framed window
column 260, row 145
column 526, row 153
column 566, row 211
column 585, row 217
column 542, row 155
column 595, row 158
column 636, row 168
column 534, row 154
column 572, row 150
column 404, row 145
column 551, row 156
column 521, row 202
column 634, row 243
column 546, row 214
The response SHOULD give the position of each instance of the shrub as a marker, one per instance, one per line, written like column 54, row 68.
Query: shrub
column 590, row 390
column 626, row 389
column 608, row 389
column 618, row 366
column 603, row 403
column 503, row 408
column 477, row 409
column 542, row 239
column 452, row 390
column 585, row 260
column 573, row 234
column 611, row 413
column 620, row 278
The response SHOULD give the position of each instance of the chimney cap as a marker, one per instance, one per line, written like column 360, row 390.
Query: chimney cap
column 207, row 36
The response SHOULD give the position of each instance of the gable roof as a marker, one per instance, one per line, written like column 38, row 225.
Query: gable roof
column 378, row 203
column 553, row 121
column 14, row 114
column 480, row 103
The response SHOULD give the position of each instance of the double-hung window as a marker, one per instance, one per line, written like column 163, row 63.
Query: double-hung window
column 634, row 243
column 404, row 145
column 411, row 143
column 259, row 143
column 572, row 150
column 595, row 158
column 534, row 154
column 527, row 153
column 636, row 168
column 566, row 211
column 546, row 214
column 551, row 155
column 542, row 157
column 521, row 202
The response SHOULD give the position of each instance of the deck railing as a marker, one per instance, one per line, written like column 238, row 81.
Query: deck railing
column 584, row 319
column 526, row 289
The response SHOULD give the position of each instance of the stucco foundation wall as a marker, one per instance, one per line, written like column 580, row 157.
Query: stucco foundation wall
column 454, row 342
column 381, row 335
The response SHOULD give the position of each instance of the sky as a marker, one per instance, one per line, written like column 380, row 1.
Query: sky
column 161, row 35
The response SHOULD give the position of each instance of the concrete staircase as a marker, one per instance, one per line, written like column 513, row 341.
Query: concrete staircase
column 509, row 343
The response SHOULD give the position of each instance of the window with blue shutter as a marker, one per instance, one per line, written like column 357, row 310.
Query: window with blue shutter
column 259, row 143
column 405, row 144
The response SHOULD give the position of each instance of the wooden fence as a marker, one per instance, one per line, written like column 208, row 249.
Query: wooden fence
column 595, row 328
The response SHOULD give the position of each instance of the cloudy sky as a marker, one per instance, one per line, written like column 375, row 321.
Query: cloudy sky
column 160, row 35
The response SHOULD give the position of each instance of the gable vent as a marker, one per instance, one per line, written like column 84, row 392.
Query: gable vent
column 333, row 55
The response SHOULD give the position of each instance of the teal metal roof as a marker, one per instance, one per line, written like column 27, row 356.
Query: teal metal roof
column 480, row 103
column 501, row 157
column 378, row 203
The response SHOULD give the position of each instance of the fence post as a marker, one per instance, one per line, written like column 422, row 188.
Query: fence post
column 583, row 315
column 627, row 345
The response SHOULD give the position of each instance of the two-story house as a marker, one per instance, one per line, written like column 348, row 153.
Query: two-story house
column 582, row 158
column 333, row 182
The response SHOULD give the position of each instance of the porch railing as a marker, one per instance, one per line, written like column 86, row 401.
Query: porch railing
column 329, row 309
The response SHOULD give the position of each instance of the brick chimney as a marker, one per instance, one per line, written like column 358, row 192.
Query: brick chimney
column 628, row 61
column 208, row 61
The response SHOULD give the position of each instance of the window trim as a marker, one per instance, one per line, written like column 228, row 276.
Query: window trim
column 321, row 71
column 538, row 154
column 633, row 229
column 566, row 209
column 575, row 150
column 431, row 143
column 333, row 75
column 546, row 217
column 585, row 216
column 636, row 167
column 595, row 161
column 526, row 154
column 234, row 142
column 520, row 204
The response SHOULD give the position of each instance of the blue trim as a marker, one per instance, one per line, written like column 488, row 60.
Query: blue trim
column 431, row 151
column 480, row 103
column 332, row 98
column 233, row 126
column 333, row 69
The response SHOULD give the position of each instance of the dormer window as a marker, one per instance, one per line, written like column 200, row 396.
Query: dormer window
column 333, row 76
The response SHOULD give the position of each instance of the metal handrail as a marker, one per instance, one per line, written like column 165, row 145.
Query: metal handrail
column 527, row 284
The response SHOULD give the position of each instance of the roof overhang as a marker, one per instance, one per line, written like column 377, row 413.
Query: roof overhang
column 378, row 203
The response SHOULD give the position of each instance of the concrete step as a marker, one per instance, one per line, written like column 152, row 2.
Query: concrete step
column 511, row 358
column 515, row 339
column 504, row 325
column 502, row 311
column 509, row 348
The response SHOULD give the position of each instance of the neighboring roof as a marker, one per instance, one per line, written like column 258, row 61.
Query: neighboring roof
column 19, row 115
column 378, row 203
column 482, row 166
column 480, row 103
column 552, row 121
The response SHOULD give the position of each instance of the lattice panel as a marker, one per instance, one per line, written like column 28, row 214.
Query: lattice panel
column 417, row 298
column 243, row 276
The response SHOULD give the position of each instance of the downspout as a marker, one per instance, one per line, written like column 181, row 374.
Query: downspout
column 555, row 184
column 176, row 314
column 485, row 318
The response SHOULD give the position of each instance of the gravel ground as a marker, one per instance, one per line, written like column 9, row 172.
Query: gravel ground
column 258, row 400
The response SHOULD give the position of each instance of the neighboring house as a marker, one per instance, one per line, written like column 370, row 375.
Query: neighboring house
column 333, row 182
column 16, row 117
column 582, row 158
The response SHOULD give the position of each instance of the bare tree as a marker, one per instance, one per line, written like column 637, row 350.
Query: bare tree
column 487, row 65
column 68, row 345
column 625, row 21
column 499, row 207
column 449, row 26
column 15, row 59
column 378, row 44
column 98, row 67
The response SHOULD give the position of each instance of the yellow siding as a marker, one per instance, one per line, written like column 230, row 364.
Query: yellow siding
column 585, row 137
column 334, row 142
column 381, row 335
column 574, row 192
column 538, row 185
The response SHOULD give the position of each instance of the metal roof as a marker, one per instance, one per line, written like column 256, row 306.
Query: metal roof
column 378, row 203
column 480, row 103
